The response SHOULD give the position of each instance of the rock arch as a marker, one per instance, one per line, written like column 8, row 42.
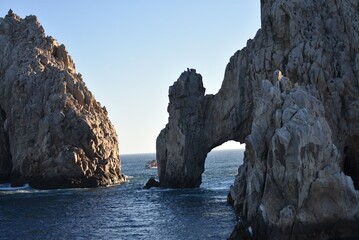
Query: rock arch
column 197, row 124
column 299, row 130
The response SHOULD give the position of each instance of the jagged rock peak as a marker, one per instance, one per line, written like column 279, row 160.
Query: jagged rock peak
column 53, row 132
column 300, row 176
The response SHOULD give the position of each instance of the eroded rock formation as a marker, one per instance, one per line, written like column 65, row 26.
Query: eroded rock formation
column 183, row 134
column 53, row 133
column 299, row 179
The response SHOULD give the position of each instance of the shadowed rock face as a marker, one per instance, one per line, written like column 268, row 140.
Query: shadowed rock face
column 184, row 132
column 5, row 162
column 301, row 130
column 53, row 133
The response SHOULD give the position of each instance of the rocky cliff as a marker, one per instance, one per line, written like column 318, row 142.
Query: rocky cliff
column 292, row 95
column 53, row 133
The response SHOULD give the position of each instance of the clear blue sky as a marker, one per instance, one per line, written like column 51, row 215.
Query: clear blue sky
column 130, row 51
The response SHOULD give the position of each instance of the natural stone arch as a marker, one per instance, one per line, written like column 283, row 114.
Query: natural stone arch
column 197, row 124
column 292, row 183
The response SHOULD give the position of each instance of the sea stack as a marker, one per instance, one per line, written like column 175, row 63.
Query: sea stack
column 53, row 133
column 292, row 95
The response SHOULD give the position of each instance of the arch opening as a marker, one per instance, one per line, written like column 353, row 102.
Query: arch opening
column 221, row 165
column 5, row 155
column 351, row 159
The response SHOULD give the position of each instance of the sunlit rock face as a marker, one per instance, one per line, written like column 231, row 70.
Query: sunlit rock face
column 300, row 176
column 53, row 133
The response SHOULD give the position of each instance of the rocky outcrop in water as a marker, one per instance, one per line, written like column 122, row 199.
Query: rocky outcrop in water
column 300, row 176
column 53, row 133
column 185, row 127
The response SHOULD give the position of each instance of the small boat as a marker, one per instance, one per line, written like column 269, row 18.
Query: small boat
column 7, row 187
column 151, row 164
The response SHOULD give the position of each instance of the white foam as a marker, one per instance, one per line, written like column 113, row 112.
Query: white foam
column 7, row 187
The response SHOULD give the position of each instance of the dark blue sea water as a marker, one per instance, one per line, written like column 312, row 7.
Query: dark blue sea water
column 127, row 211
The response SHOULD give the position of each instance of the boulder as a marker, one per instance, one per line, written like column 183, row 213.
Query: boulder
column 151, row 183
column 53, row 133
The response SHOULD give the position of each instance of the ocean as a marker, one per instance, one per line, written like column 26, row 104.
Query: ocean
column 127, row 211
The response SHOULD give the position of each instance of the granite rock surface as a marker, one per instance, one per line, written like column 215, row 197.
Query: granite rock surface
column 292, row 95
column 53, row 133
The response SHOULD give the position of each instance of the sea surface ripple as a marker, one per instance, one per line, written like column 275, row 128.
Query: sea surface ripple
column 127, row 211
